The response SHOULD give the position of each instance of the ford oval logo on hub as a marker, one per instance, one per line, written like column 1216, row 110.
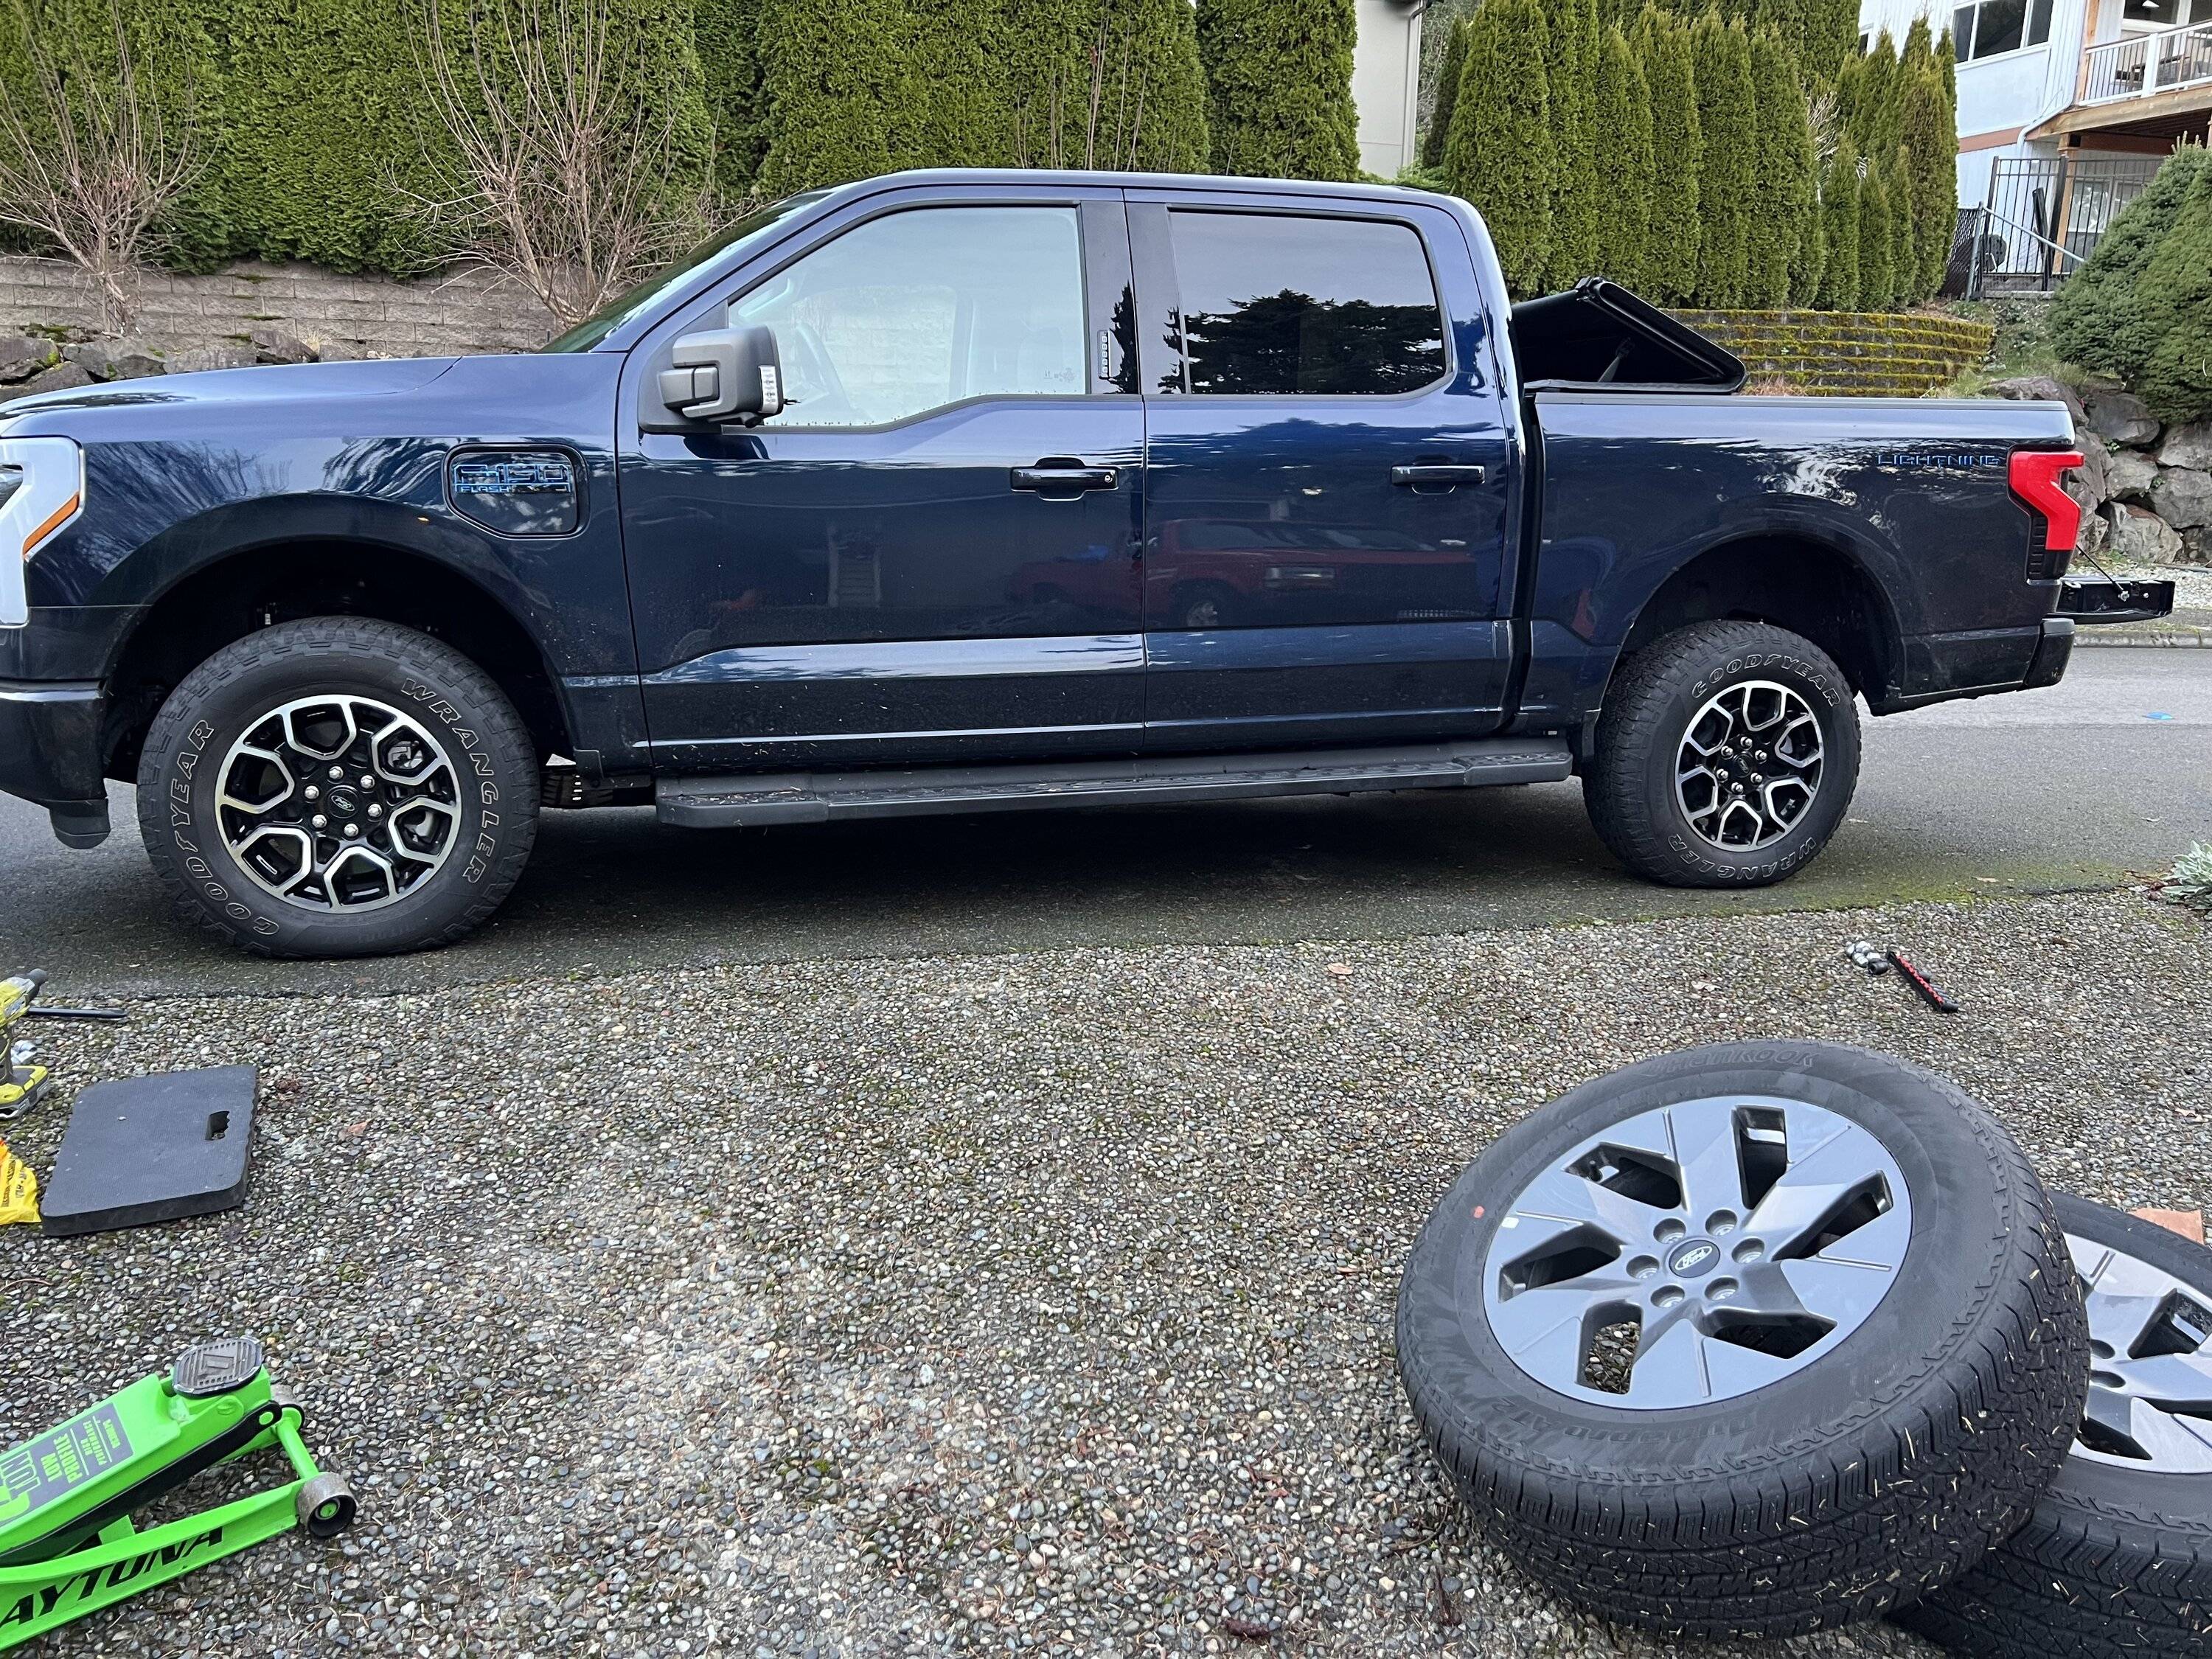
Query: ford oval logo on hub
column 1693, row 1258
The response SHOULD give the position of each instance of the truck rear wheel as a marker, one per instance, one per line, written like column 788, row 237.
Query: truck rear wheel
column 337, row 787
column 1726, row 753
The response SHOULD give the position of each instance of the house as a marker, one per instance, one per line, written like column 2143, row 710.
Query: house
column 2065, row 107
column 1386, row 82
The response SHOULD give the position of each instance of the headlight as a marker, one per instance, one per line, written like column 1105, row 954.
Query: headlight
column 41, row 490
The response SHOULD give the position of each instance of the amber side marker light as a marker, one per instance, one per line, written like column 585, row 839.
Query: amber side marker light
column 60, row 516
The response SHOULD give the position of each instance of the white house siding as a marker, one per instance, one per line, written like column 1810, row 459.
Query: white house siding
column 1386, row 78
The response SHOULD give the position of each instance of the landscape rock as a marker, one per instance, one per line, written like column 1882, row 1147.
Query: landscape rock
column 2120, row 416
column 338, row 352
column 60, row 378
column 2144, row 537
column 23, row 356
column 2091, row 482
column 227, row 356
column 115, row 360
column 274, row 345
column 2096, row 532
column 2188, row 445
column 2129, row 475
column 2038, row 388
column 2197, row 545
column 2182, row 497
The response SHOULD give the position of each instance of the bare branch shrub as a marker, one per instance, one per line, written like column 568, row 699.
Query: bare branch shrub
column 92, row 152
column 566, row 184
column 1113, row 114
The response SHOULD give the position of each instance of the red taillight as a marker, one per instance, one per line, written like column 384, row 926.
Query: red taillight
column 2034, row 475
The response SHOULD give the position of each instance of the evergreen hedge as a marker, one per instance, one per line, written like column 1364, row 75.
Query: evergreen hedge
column 1783, row 221
column 1662, row 49
column 1838, row 288
column 1931, row 145
column 1499, row 153
column 1726, row 178
column 1877, row 243
column 728, row 33
column 1621, row 124
column 1454, row 66
column 1278, row 86
column 1570, row 78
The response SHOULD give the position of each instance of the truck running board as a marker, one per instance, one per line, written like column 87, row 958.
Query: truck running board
column 817, row 797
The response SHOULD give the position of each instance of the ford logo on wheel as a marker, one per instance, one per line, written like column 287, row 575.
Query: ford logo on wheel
column 1693, row 1258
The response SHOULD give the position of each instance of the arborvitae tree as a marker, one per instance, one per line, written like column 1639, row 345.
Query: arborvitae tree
column 1662, row 49
column 1786, row 21
column 1877, row 243
column 2176, row 311
column 1839, row 231
column 1918, row 51
column 1105, row 83
column 1571, row 73
column 834, row 75
column 1163, row 120
column 1904, row 235
column 1440, row 114
column 956, row 83
column 1499, row 153
column 1875, row 118
column 1622, row 127
column 1812, row 263
column 1727, row 116
column 1832, row 39
column 1784, row 183
column 2096, row 317
column 730, row 61
column 1947, row 65
column 1931, row 147
column 1279, row 83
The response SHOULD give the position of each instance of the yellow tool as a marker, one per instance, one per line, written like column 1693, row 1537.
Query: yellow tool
column 22, row 1085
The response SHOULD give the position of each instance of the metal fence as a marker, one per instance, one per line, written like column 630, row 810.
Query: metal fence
column 2043, row 216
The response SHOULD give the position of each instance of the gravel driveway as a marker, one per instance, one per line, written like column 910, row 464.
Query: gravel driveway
column 1035, row 1302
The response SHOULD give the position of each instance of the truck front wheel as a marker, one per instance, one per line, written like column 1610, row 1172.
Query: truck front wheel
column 1726, row 753
column 337, row 787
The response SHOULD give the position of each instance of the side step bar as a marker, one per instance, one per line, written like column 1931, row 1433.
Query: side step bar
column 818, row 797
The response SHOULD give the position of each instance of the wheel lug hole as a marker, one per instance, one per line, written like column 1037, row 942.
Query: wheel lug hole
column 1752, row 1250
column 1720, row 1221
column 1721, row 1290
column 1667, row 1295
column 1643, row 1266
column 1669, row 1231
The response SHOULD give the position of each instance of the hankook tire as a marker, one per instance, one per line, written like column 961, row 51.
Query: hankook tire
column 337, row 787
column 1748, row 1340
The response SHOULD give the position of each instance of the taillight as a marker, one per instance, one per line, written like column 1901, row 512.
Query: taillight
column 2034, row 475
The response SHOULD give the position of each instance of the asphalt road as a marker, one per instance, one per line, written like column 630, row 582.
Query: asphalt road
column 2105, row 776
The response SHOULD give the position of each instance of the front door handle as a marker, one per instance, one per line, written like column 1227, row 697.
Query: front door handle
column 1059, row 477
column 1426, row 473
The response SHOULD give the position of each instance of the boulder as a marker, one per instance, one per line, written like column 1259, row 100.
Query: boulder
column 115, row 360
column 2096, row 531
column 2090, row 483
column 60, row 378
column 2197, row 545
column 207, row 357
column 274, row 345
column 21, row 356
column 2182, row 497
column 2038, row 388
column 2119, row 416
column 2143, row 537
column 2188, row 445
column 2129, row 475
column 338, row 352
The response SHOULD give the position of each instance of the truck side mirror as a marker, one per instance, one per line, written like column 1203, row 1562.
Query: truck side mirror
column 727, row 376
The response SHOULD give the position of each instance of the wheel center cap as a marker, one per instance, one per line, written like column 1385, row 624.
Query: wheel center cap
column 344, row 802
column 1692, row 1257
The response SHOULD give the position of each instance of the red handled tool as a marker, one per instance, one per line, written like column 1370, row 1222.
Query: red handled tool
column 1930, row 993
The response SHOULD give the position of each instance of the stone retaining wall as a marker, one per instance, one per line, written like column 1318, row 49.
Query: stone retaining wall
column 1847, row 353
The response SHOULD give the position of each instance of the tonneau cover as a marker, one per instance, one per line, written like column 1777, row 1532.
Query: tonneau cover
column 1599, row 337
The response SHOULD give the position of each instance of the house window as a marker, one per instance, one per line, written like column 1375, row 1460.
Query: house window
column 1990, row 27
column 2142, row 15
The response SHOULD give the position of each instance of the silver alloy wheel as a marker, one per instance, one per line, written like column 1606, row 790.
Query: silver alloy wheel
column 1697, row 1252
column 338, row 804
column 2151, row 1378
column 1749, row 765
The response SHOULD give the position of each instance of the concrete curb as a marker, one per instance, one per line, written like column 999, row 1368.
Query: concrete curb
column 2122, row 638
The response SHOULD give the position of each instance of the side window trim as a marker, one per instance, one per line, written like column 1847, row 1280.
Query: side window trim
column 1160, row 300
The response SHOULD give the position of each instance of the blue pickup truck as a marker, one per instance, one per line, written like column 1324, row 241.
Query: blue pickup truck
column 951, row 492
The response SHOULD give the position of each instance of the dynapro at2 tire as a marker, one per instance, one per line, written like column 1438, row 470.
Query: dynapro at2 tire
column 1653, row 705
column 455, row 706
column 2116, row 1563
column 1785, row 1473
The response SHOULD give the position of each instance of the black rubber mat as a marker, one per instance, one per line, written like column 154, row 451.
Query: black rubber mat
column 151, row 1149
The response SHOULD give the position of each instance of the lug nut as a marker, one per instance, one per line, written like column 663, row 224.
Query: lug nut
column 337, row 772
column 376, row 811
column 314, row 794
column 352, row 830
column 1735, row 789
column 320, row 822
column 367, row 781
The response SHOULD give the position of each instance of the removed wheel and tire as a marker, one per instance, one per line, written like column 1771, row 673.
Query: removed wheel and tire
column 1726, row 753
column 1748, row 1340
column 2117, row 1560
column 337, row 787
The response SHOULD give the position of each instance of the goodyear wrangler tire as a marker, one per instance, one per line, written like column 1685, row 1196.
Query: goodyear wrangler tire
column 2116, row 1563
column 337, row 787
column 1726, row 753
column 1748, row 1340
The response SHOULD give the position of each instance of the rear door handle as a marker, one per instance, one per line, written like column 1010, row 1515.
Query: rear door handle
column 1436, row 472
column 1057, row 476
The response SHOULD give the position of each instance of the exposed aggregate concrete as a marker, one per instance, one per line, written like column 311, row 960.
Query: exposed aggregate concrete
column 987, row 1303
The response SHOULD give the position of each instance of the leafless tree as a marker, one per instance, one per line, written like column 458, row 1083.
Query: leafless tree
column 93, row 153
column 1113, row 112
column 565, row 184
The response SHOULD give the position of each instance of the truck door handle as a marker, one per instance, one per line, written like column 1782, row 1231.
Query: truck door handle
column 1058, row 478
column 1436, row 472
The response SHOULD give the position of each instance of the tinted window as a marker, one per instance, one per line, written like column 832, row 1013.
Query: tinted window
column 916, row 310
column 1275, row 303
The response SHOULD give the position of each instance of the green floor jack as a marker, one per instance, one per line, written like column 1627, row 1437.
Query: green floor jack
column 67, row 1546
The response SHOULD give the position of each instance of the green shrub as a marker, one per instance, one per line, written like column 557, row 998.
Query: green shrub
column 1662, row 49
column 1931, row 143
column 2176, row 311
column 1785, row 211
column 1440, row 114
column 1832, row 39
column 728, row 34
column 1838, row 288
column 2097, row 318
column 1877, row 243
column 833, row 75
column 954, row 68
column 1621, row 125
column 1570, row 79
column 1278, row 84
column 1500, row 155
column 1727, row 179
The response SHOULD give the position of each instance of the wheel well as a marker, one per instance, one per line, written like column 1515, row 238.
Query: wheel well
column 1810, row 589
column 253, row 590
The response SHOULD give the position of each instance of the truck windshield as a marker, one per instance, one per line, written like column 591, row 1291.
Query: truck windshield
column 618, row 311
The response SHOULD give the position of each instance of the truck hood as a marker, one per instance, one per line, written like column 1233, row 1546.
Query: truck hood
column 276, row 383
